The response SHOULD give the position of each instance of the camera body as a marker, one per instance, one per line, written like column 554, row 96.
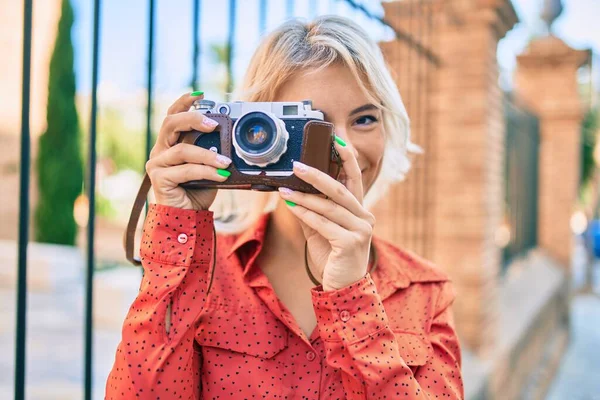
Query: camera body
column 263, row 139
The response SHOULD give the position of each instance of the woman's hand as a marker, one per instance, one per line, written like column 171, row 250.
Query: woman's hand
column 338, row 229
column 172, row 163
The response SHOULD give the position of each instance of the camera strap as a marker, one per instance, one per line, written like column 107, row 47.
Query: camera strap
column 138, row 205
column 129, row 235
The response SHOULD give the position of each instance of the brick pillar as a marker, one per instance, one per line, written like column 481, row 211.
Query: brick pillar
column 546, row 81
column 464, row 153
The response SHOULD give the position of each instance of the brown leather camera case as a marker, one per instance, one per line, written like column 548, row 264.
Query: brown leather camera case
column 317, row 151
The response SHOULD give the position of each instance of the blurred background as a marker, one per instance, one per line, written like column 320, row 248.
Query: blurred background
column 502, row 95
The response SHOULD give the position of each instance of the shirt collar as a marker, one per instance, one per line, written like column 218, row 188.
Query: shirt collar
column 249, row 243
column 388, row 275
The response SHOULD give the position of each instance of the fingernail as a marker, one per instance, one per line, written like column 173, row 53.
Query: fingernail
column 223, row 172
column 290, row 203
column 340, row 141
column 197, row 93
column 285, row 191
column 300, row 167
column 223, row 159
column 211, row 123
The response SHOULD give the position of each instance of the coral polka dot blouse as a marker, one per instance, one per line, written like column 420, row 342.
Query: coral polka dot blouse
column 388, row 336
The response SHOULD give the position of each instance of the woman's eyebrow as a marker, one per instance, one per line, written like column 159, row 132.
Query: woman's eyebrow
column 364, row 107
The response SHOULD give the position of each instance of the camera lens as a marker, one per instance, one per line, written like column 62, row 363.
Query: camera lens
column 260, row 138
column 256, row 134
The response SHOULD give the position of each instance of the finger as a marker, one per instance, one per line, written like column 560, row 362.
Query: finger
column 351, row 169
column 326, row 228
column 329, row 187
column 184, row 121
column 175, row 175
column 188, row 153
column 184, row 103
column 307, row 230
column 326, row 208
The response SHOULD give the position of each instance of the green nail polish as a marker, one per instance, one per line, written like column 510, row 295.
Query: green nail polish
column 340, row 141
column 290, row 203
column 223, row 172
column 197, row 93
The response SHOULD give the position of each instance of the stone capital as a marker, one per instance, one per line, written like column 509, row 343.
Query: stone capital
column 546, row 78
column 499, row 14
column 550, row 51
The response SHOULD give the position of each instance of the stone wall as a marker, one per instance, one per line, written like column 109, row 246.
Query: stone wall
column 546, row 82
column 464, row 153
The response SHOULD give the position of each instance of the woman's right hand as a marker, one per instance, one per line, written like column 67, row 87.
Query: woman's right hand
column 172, row 163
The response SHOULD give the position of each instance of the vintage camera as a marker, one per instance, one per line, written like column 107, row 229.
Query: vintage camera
column 263, row 139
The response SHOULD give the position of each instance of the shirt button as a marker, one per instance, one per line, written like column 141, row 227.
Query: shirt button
column 310, row 355
column 345, row 315
column 182, row 238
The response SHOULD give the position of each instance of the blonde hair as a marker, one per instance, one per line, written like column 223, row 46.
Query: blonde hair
column 297, row 47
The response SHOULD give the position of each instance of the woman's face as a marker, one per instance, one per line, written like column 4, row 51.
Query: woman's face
column 335, row 92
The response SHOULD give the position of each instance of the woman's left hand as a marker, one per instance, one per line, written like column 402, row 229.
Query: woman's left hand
column 338, row 229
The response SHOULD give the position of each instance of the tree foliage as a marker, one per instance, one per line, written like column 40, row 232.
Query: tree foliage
column 59, row 163
column 589, row 129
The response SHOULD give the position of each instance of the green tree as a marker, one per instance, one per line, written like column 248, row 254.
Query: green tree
column 589, row 127
column 59, row 164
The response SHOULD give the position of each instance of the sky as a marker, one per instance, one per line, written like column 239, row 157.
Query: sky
column 124, row 34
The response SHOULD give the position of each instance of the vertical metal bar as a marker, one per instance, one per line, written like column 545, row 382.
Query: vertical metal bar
column 396, row 193
column 88, row 380
column 406, row 211
column 262, row 17
column 427, row 111
column 418, row 198
column 230, row 47
column 289, row 9
column 432, row 139
column 196, row 51
column 151, row 21
column 149, row 87
column 21, row 331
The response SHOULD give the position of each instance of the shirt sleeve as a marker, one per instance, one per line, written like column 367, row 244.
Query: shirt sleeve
column 358, row 340
column 176, row 254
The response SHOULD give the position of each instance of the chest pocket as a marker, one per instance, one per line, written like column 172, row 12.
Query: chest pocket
column 240, row 348
column 254, row 332
column 415, row 349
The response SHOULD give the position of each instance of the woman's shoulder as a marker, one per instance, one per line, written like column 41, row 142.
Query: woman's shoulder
column 405, row 266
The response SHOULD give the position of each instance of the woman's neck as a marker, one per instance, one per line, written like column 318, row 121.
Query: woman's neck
column 284, row 235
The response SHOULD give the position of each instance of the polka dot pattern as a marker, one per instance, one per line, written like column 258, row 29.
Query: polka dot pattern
column 388, row 336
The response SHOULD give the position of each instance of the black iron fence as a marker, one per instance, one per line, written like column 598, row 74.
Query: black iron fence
column 368, row 10
column 521, row 181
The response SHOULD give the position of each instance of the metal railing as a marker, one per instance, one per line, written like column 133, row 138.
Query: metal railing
column 364, row 9
column 521, row 180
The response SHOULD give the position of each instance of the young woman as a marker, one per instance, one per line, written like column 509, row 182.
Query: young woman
column 304, row 303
